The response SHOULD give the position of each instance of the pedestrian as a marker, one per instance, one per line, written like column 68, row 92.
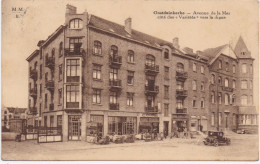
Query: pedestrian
column 165, row 134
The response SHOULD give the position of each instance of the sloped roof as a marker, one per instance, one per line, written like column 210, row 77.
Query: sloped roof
column 212, row 52
column 120, row 30
column 240, row 46
column 16, row 110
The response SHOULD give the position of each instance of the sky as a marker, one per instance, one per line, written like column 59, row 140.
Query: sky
column 21, row 35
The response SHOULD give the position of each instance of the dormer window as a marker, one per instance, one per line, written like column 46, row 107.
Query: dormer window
column 243, row 53
column 76, row 24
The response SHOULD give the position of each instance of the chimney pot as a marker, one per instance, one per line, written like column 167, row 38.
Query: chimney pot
column 128, row 25
column 176, row 43
column 71, row 9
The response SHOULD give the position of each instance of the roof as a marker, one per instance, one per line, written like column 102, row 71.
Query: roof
column 16, row 110
column 35, row 53
column 120, row 30
column 240, row 46
column 211, row 53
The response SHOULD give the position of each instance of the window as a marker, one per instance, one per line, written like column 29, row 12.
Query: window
column 96, row 71
column 53, row 53
column 130, row 56
column 194, row 85
column 226, row 99
column 234, row 84
column 41, row 71
column 73, row 70
column 219, row 118
column 227, row 66
column 194, row 102
column 212, row 97
column 243, row 53
column 234, row 69
column 244, row 68
column 45, row 121
column 220, row 80
column 212, row 79
column 114, row 51
column 244, row 84
column 40, row 90
column 72, row 96
column 202, row 69
column 194, row 67
column 166, row 73
column 150, row 60
column 166, row 110
column 233, row 99
column 75, row 44
column 61, row 49
column 130, row 99
column 166, row 54
column 60, row 72
column 202, row 103
column 179, row 85
column 251, row 68
column 96, row 98
column 51, row 121
column 220, row 98
column 244, row 100
column 180, row 103
column 97, row 50
column 76, row 24
column 113, row 97
column 212, row 119
column 202, row 86
column 250, row 84
column 45, row 100
column 220, row 64
column 166, row 91
column 60, row 96
column 130, row 77
column 180, row 67
column 226, row 82
column 113, row 74
column 59, row 120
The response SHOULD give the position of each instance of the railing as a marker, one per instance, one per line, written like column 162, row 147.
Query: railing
column 74, row 52
column 114, row 106
column 115, row 83
column 181, row 93
column 151, row 109
column 115, row 60
column 49, row 84
column 153, row 89
column 50, row 62
column 152, row 68
column 228, row 89
column 181, row 110
column 33, row 92
column 33, row 74
column 51, row 106
column 181, row 75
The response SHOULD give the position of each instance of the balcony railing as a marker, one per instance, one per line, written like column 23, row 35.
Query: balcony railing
column 74, row 105
column 151, row 69
column 114, row 106
column 51, row 106
column 228, row 89
column 50, row 62
column 181, row 75
column 49, row 84
column 151, row 109
column 33, row 74
column 154, row 89
column 33, row 92
column 181, row 110
column 181, row 93
column 33, row 110
column 74, row 52
column 115, row 61
column 115, row 84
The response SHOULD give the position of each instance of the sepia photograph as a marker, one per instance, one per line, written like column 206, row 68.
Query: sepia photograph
column 143, row 80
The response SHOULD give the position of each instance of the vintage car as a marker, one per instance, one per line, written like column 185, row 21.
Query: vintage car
column 216, row 138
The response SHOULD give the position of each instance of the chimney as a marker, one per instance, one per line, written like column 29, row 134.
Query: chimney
column 176, row 43
column 128, row 25
column 71, row 9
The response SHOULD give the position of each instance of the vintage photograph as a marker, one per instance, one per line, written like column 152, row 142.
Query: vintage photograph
column 130, row 80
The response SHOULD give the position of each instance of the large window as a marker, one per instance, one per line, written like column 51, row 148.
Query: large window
column 75, row 44
column 130, row 56
column 96, row 71
column 72, row 96
column 113, row 75
column 244, row 69
column 244, row 100
column 113, row 97
column 130, row 77
column 73, row 70
column 97, row 50
column 244, row 84
column 194, row 85
column 122, row 125
column 96, row 96
column 150, row 60
column 76, row 24
column 130, row 99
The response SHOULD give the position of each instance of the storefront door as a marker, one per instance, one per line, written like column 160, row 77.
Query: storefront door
column 74, row 127
column 166, row 127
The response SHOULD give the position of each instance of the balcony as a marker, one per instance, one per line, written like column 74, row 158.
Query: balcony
column 115, row 61
column 33, row 110
column 33, row 92
column 50, row 62
column 152, row 109
column 181, row 110
column 181, row 75
column 115, row 85
column 72, row 105
column 75, row 52
column 33, row 74
column 181, row 93
column 51, row 106
column 228, row 89
column 154, row 89
column 49, row 85
column 151, row 69
column 114, row 106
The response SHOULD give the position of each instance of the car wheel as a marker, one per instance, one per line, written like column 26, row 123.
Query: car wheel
column 215, row 143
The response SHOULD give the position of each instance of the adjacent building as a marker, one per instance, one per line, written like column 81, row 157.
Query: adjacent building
column 92, row 71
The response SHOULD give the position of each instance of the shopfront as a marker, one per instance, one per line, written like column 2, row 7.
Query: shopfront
column 149, row 124
column 180, row 123
column 122, row 125
column 95, row 127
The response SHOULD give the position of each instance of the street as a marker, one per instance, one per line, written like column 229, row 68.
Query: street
column 243, row 147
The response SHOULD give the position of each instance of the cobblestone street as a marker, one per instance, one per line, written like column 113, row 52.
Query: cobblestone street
column 243, row 147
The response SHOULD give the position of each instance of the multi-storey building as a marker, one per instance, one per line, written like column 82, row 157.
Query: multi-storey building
column 92, row 71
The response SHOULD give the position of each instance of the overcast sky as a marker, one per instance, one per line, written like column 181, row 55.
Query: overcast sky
column 42, row 18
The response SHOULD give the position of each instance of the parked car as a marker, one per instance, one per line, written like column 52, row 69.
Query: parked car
column 216, row 138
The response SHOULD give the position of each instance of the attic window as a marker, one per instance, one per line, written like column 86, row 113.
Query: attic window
column 76, row 24
column 243, row 53
column 111, row 30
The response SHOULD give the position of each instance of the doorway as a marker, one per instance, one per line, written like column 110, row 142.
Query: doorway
column 75, row 127
column 166, row 128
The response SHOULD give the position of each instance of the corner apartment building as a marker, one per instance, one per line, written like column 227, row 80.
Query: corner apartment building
column 92, row 71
